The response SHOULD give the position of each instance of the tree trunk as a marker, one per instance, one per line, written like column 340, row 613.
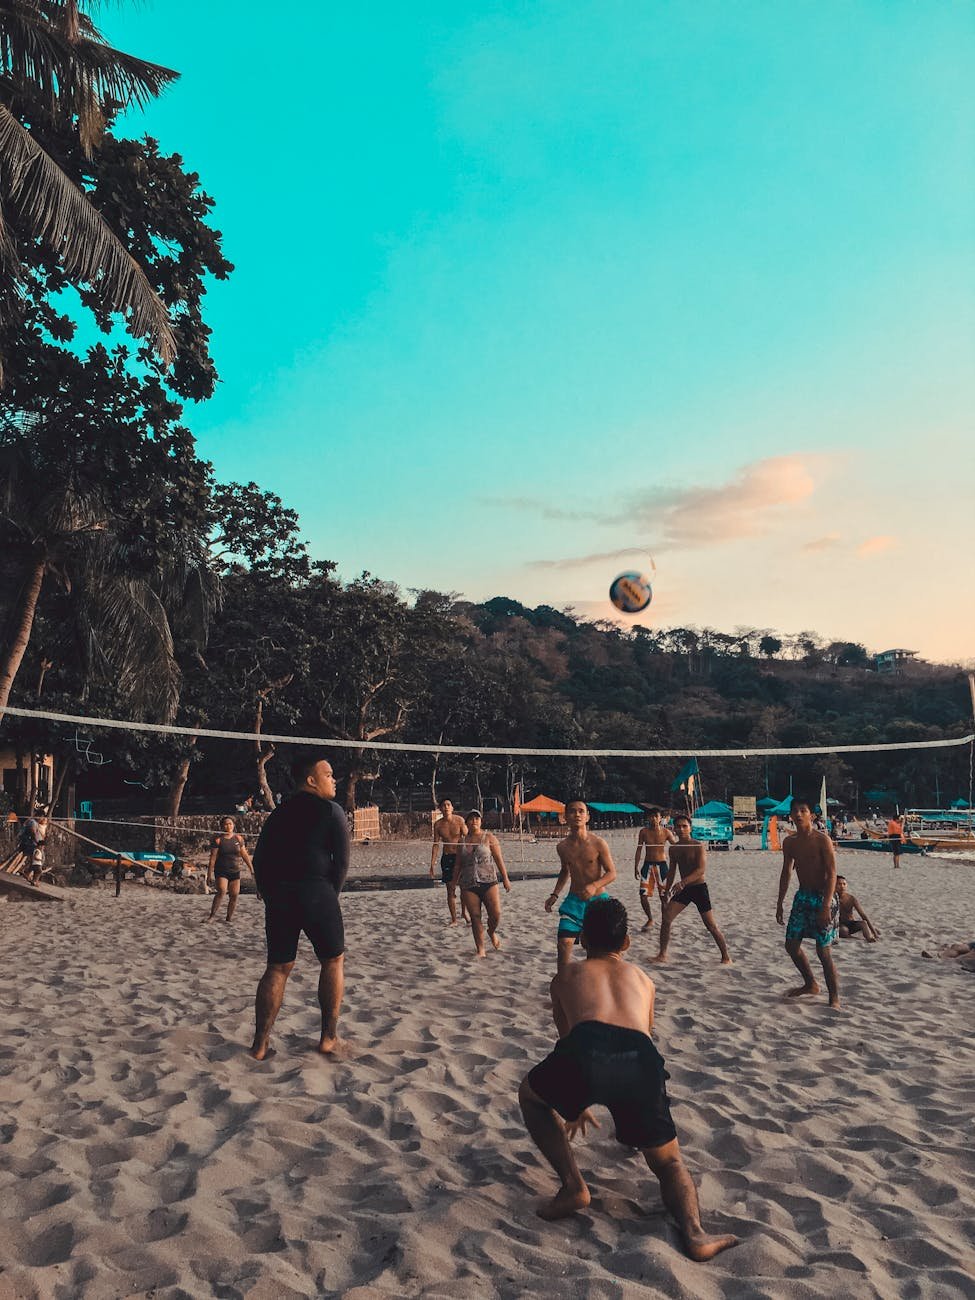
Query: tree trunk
column 58, row 784
column 264, row 757
column 178, row 784
column 23, row 622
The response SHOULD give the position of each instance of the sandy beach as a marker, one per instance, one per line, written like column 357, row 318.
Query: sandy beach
column 142, row 1153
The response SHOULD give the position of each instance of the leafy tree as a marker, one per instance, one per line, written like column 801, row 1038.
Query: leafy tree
column 769, row 646
column 56, row 71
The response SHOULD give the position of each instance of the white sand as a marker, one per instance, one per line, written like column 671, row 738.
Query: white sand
column 143, row 1153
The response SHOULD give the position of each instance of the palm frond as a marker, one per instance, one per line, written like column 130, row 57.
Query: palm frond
column 59, row 52
column 129, row 630
column 58, row 213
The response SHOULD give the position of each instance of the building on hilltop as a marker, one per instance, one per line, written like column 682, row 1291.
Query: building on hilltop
column 892, row 661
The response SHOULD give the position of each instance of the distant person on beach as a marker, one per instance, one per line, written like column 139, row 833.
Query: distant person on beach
column 895, row 837
column 224, row 868
column 245, row 805
column 33, row 839
column 962, row 954
column 479, row 869
column 447, row 835
column 603, row 1011
column 652, row 843
column 848, row 924
column 815, row 908
column 587, row 865
column 300, row 864
column 690, row 858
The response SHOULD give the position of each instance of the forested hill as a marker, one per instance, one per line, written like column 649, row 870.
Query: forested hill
column 302, row 653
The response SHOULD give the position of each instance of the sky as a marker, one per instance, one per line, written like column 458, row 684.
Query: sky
column 528, row 294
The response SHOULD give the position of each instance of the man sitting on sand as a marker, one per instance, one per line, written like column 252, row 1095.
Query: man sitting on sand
column 815, row 909
column 588, row 865
column 848, row 924
column 690, row 857
column 652, row 842
column 603, row 1010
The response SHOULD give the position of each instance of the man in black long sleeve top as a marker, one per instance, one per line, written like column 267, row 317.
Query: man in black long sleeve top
column 300, row 864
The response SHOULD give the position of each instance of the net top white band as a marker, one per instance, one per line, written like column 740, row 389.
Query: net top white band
column 500, row 751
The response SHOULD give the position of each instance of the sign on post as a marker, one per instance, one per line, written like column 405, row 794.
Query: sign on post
column 744, row 805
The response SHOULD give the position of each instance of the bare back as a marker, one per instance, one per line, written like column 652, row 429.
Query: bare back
column 606, row 989
column 587, row 859
column 811, row 853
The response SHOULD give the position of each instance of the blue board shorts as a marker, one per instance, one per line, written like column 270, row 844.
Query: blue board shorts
column 804, row 918
column 572, row 913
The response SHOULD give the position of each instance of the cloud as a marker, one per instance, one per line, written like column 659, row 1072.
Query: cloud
column 748, row 505
column 545, row 510
column 822, row 543
column 875, row 546
column 581, row 561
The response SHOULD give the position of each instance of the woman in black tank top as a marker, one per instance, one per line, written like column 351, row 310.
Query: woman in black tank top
column 226, row 856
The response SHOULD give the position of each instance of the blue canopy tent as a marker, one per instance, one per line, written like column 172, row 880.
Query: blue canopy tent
column 713, row 823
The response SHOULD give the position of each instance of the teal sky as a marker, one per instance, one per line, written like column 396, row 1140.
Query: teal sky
column 519, row 285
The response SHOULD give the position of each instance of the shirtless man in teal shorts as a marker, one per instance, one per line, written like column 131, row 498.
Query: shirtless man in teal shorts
column 587, row 865
column 815, row 908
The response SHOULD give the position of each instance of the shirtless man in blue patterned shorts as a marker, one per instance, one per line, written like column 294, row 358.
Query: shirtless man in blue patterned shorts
column 587, row 865
column 815, row 908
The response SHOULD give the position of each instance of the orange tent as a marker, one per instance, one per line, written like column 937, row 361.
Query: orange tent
column 542, row 803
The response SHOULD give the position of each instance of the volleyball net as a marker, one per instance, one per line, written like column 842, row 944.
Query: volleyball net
column 501, row 779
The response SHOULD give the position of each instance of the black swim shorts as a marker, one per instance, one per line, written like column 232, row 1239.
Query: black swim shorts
column 223, row 874
column 447, row 863
column 309, row 905
column 696, row 894
column 604, row 1065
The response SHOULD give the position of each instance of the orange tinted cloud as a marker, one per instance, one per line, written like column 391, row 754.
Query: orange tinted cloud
column 875, row 546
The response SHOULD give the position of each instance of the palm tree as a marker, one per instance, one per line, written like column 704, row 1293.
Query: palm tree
column 52, row 53
column 61, row 527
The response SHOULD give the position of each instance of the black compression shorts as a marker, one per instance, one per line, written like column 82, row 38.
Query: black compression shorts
column 605, row 1065
column 697, row 894
column 309, row 905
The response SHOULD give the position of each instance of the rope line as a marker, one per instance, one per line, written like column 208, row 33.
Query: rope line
column 510, row 751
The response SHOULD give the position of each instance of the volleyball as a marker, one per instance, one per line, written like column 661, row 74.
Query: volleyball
column 631, row 592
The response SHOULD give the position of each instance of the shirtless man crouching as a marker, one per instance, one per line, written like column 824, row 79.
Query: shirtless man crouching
column 447, row 835
column 603, row 1010
column 587, row 865
column 652, row 842
column 815, row 908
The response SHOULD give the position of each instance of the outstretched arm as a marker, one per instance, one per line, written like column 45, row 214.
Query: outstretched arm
column 559, row 886
column 784, row 879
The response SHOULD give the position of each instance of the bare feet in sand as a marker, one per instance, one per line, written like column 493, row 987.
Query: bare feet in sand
column 338, row 1049
column 261, row 1052
column 568, row 1200
column 703, row 1248
column 495, row 943
column 834, row 1004
column 480, row 953
column 804, row 990
column 726, row 961
column 659, row 959
column 648, row 926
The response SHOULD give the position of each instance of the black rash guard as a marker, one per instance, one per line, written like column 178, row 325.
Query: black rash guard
column 306, row 839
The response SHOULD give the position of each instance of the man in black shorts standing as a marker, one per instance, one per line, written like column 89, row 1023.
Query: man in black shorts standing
column 690, row 857
column 448, row 833
column 300, row 864
column 603, row 1010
